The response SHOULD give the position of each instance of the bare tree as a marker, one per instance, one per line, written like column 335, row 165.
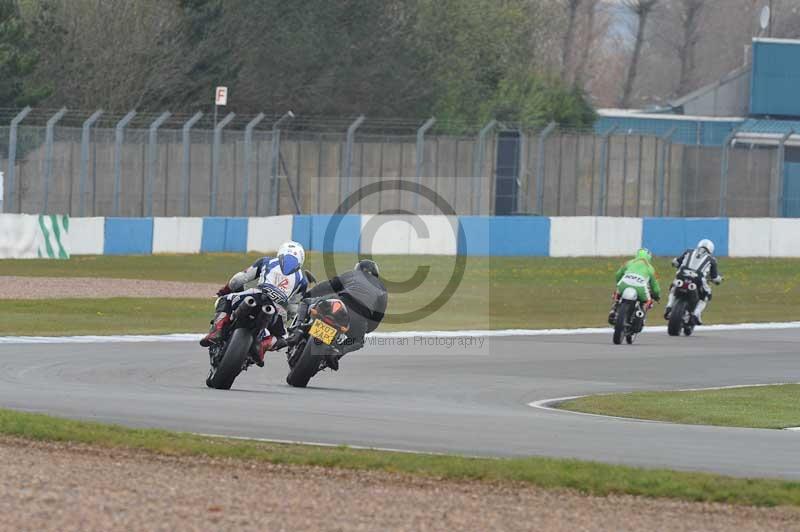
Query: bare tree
column 572, row 7
column 690, row 12
column 590, row 36
column 641, row 9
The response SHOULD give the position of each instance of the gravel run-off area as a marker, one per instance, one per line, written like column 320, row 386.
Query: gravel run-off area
column 66, row 487
column 15, row 287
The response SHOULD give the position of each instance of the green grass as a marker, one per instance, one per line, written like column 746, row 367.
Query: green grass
column 586, row 477
column 767, row 407
column 495, row 293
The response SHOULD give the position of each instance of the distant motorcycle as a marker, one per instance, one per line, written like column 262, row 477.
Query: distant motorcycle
column 322, row 334
column 687, row 294
column 630, row 317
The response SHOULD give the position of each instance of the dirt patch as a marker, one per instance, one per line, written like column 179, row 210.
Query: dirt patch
column 14, row 287
column 54, row 486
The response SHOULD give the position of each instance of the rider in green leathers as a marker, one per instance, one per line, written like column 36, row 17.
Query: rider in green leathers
column 640, row 275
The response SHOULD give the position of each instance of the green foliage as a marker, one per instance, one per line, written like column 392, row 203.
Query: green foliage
column 18, row 59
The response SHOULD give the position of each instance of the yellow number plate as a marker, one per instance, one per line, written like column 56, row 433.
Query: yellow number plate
column 323, row 332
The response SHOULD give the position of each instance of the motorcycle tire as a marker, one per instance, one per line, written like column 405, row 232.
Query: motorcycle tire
column 306, row 366
column 236, row 352
column 623, row 316
column 629, row 339
column 676, row 318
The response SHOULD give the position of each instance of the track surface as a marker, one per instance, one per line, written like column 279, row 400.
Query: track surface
column 431, row 398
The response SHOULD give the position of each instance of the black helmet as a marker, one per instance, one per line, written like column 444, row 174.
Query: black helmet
column 368, row 266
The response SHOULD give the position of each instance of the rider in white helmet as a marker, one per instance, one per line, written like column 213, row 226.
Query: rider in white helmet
column 701, row 261
column 277, row 277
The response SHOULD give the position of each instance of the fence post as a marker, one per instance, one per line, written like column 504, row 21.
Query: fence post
column 215, row 161
column 477, row 170
column 119, row 138
column 421, row 157
column 186, row 166
column 723, row 182
column 781, row 156
column 12, row 157
column 540, row 167
column 347, row 162
column 276, row 159
column 48, row 155
column 152, row 157
column 523, row 172
column 248, row 147
column 662, row 170
column 601, row 203
column 86, row 135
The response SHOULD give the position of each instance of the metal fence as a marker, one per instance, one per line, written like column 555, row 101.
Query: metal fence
column 161, row 165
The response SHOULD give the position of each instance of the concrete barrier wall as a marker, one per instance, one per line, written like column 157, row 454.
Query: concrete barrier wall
column 267, row 234
column 177, row 235
column 59, row 236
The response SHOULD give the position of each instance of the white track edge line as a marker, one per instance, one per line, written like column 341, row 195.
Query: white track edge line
column 497, row 333
column 550, row 404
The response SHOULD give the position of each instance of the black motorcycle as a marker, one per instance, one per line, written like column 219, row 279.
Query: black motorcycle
column 686, row 289
column 238, row 348
column 630, row 317
column 320, row 340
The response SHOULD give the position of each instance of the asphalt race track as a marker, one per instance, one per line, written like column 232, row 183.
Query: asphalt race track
column 431, row 396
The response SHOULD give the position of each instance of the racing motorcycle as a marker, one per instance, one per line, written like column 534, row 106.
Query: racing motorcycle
column 238, row 348
column 321, row 336
column 630, row 317
column 687, row 294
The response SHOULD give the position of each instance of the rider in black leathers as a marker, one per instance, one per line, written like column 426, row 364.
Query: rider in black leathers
column 365, row 296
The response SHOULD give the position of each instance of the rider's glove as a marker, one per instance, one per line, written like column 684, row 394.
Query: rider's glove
column 224, row 291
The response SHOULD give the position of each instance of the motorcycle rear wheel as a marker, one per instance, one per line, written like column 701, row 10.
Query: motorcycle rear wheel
column 232, row 361
column 623, row 316
column 676, row 318
column 306, row 366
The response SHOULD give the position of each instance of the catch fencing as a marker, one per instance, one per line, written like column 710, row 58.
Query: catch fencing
column 137, row 165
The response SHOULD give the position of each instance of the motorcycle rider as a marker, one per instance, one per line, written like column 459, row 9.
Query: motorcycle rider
column 366, row 299
column 279, row 279
column 639, row 274
column 701, row 262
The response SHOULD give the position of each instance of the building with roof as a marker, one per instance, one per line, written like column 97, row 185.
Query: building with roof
column 751, row 115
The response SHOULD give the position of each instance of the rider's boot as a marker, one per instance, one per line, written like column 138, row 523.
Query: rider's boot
column 269, row 343
column 698, row 312
column 670, row 303
column 221, row 320
column 612, row 315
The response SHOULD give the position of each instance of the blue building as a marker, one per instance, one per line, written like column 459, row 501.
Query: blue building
column 755, row 107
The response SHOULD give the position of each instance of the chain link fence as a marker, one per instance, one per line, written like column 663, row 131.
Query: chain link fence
column 169, row 169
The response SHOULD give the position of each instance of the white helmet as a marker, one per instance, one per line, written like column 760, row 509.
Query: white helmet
column 708, row 244
column 291, row 257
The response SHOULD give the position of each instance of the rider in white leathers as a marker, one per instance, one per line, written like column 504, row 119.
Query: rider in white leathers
column 702, row 262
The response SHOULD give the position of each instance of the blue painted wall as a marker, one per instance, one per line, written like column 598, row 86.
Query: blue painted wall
column 671, row 236
column 128, row 236
column 505, row 236
column 224, row 235
column 711, row 133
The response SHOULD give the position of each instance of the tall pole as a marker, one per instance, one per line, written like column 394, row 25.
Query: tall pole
column 119, row 138
column 186, row 167
column 421, row 157
column 86, row 136
column 152, row 158
column 215, row 161
column 48, row 158
column 12, row 156
column 248, row 156
column 276, row 157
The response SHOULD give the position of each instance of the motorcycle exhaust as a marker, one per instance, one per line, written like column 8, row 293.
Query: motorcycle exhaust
column 250, row 301
column 692, row 286
column 639, row 314
column 269, row 310
column 678, row 283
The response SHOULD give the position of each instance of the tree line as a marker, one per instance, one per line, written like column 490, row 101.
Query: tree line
column 463, row 61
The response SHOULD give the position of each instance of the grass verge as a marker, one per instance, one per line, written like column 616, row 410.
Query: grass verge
column 586, row 477
column 766, row 407
column 495, row 293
